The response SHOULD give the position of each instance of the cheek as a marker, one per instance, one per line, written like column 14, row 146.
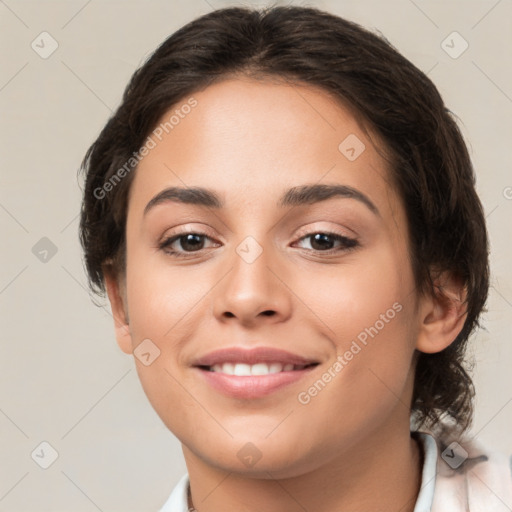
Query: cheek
column 161, row 308
column 353, row 297
column 161, row 300
column 365, row 311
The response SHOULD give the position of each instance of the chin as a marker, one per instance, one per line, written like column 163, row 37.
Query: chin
column 265, row 458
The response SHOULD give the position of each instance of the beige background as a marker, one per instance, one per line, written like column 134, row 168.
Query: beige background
column 63, row 379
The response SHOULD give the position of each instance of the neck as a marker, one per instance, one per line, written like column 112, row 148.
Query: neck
column 381, row 473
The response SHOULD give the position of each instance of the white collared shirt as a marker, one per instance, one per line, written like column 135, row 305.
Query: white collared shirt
column 450, row 482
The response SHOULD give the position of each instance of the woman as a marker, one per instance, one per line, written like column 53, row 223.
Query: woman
column 281, row 212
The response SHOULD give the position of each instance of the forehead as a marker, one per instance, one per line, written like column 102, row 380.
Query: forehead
column 251, row 140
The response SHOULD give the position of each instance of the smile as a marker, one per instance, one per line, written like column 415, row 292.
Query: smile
column 248, row 374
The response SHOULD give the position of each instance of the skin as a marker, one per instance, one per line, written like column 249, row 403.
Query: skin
column 349, row 448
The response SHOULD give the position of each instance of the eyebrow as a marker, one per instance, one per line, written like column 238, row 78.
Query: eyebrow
column 295, row 196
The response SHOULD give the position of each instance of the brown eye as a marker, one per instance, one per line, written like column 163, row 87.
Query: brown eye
column 184, row 243
column 191, row 242
column 323, row 242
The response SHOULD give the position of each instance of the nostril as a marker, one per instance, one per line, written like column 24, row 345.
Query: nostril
column 268, row 313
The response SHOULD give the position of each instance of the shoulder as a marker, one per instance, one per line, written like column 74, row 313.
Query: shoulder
column 470, row 476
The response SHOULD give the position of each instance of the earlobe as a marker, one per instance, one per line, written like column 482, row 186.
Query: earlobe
column 119, row 312
column 442, row 315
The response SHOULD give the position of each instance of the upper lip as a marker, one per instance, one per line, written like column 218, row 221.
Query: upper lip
column 251, row 356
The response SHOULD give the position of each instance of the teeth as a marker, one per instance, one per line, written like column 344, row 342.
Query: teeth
column 260, row 369
column 275, row 368
column 244, row 370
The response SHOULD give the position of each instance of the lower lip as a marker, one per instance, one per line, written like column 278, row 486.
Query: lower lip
column 252, row 386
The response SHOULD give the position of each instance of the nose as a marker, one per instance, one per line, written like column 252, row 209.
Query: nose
column 253, row 291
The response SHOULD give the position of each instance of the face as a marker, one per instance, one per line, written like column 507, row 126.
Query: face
column 281, row 315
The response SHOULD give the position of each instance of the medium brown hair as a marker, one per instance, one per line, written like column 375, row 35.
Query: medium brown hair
column 429, row 161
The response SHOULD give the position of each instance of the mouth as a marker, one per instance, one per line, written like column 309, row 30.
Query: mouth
column 252, row 373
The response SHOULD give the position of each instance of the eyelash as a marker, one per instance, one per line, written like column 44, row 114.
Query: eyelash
column 348, row 243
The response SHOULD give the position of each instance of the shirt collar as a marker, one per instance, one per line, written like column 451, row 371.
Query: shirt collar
column 428, row 475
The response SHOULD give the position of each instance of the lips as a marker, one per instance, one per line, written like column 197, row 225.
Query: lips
column 252, row 357
column 252, row 373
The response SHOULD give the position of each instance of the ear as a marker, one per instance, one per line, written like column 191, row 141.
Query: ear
column 442, row 315
column 117, row 297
